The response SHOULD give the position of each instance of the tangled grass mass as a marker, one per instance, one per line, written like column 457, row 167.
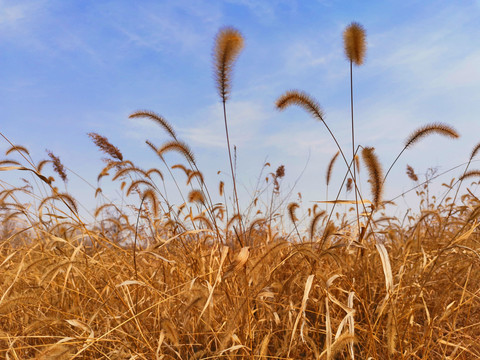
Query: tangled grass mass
column 210, row 280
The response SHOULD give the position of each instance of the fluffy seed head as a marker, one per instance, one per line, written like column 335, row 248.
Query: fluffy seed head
column 195, row 174
column 470, row 174
column 435, row 128
column 313, row 223
column 475, row 151
column 58, row 166
column 291, row 211
column 375, row 172
column 157, row 118
column 152, row 196
column 18, row 148
column 196, row 196
column 104, row 145
column 349, row 185
column 330, row 167
column 220, row 188
column 228, row 45
column 411, row 173
column 179, row 147
column 280, row 172
column 355, row 43
column 302, row 99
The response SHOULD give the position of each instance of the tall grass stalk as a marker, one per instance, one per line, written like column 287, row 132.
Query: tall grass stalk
column 228, row 45
column 355, row 48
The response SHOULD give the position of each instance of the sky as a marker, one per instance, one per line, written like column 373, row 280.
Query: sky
column 73, row 67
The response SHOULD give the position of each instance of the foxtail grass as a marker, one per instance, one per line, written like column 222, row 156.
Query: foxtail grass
column 354, row 41
column 296, row 286
column 228, row 45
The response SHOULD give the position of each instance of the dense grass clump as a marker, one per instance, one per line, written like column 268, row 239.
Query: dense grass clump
column 69, row 291
column 200, row 281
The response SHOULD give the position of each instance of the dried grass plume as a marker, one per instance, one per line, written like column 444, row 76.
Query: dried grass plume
column 58, row 166
column 435, row 128
column 375, row 172
column 330, row 167
column 355, row 43
column 196, row 196
column 157, row 118
column 228, row 45
column 302, row 99
column 104, row 145
column 411, row 173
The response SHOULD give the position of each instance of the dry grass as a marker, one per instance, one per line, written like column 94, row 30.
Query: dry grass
column 197, row 281
column 413, row 292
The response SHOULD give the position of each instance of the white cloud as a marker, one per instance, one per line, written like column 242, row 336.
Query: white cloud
column 297, row 141
column 246, row 120
column 13, row 12
column 304, row 55
column 169, row 25
column 265, row 11
column 462, row 73
column 429, row 54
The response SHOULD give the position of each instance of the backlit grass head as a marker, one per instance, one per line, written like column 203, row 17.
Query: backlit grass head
column 355, row 43
column 228, row 45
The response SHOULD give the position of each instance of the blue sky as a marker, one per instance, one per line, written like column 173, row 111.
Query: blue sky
column 73, row 67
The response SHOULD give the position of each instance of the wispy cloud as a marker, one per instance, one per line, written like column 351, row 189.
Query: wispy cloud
column 303, row 55
column 168, row 26
column 265, row 11
column 424, row 52
column 13, row 13
column 463, row 73
column 246, row 122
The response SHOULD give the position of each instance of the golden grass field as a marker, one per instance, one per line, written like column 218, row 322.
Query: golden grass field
column 209, row 280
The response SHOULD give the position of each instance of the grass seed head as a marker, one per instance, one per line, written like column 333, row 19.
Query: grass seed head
column 355, row 43
column 375, row 172
column 58, row 166
column 302, row 99
column 228, row 45
column 429, row 129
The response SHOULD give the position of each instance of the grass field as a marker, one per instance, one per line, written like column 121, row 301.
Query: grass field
column 206, row 279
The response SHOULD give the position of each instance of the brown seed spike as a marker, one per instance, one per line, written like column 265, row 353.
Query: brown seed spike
column 228, row 45
column 134, row 186
column 314, row 222
column 376, row 174
column 435, row 128
column 354, row 41
column 357, row 163
column 196, row 174
column 470, row 174
column 280, row 173
column 183, row 168
column 330, row 167
column 152, row 196
column 475, row 151
column 196, row 196
column 18, row 148
column 179, row 147
column 58, row 166
column 291, row 211
column 302, row 99
column 157, row 118
column 104, row 145
column 349, row 185
column 411, row 173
